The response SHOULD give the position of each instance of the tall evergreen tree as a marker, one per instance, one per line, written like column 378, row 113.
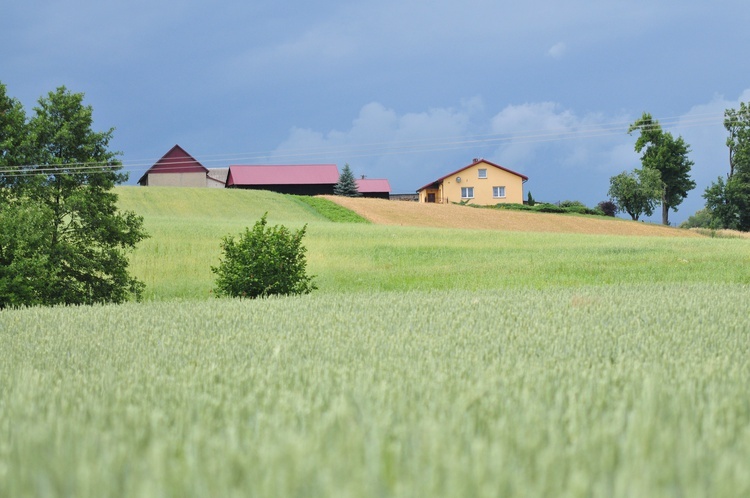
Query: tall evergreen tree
column 66, row 186
column 347, row 185
column 667, row 155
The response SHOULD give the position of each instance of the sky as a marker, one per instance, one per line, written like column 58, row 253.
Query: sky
column 407, row 90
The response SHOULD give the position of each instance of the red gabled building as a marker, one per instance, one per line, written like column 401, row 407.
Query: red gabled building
column 177, row 168
column 374, row 187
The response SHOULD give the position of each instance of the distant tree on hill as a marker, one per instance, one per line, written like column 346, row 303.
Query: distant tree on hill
column 729, row 201
column 669, row 157
column 635, row 193
column 609, row 208
column 701, row 219
column 530, row 200
column 347, row 185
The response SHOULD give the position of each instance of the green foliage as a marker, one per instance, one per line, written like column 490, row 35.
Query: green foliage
column 81, row 240
column 265, row 261
column 729, row 201
column 576, row 204
column 510, row 206
column 546, row 207
column 573, row 207
column 607, row 208
column 635, row 193
column 347, row 185
column 667, row 156
column 12, row 134
column 737, row 123
column 703, row 218
column 330, row 210
column 24, row 258
column 530, row 200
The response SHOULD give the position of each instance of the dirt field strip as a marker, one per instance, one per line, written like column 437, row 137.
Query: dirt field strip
column 383, row 212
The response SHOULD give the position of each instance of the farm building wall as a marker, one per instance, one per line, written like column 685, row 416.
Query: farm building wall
column 376, row 195
column 319, row 189
column 197, row 179
column 484, row 188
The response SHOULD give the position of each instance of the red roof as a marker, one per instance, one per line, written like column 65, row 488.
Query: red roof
column 175, row 161
column 476, row 161
column 368, row 185
column 283, row 174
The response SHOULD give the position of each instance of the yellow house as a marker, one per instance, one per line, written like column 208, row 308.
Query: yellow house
column 481, row 182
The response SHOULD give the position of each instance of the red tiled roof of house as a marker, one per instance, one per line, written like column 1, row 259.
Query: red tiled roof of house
column 367, row 185
column 476, row 161
column 283, row 174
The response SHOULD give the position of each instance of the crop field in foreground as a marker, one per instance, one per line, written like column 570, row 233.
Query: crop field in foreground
column 431, row 362
column 632, row 390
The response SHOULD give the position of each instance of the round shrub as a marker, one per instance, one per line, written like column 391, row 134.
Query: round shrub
column 608, row 208
column 263, row 262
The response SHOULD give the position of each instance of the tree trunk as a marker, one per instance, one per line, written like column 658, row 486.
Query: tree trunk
column 664, row 207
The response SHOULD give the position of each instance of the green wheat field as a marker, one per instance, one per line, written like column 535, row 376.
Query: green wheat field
column 430, row 362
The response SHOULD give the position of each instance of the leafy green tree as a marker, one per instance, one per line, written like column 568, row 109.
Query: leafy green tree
column 347, row 185
column 703, row 218
column 263, row 262
column 67, row 180
column 635, row 193
column 667, row 155
column 24, row 260
column 12, row 134
column 530, row 200
column 737, row 123
column 729, row 202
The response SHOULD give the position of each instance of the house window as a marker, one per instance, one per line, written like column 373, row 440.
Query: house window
column 467, row 192
column 498, row 192
column 482, row 173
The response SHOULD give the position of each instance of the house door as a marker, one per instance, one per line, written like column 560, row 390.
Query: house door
column 431, row 197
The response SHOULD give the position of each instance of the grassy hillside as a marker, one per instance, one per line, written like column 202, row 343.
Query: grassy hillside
column 431, row 362
column 187, row 224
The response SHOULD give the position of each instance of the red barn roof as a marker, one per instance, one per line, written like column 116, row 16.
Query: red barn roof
column 368, row 185
column 177, row 160
column 283, row 174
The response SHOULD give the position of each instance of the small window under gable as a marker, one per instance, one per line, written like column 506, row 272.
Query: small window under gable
column 482, row 173
column 467, row 192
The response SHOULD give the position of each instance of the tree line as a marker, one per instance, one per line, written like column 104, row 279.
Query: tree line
column 664, row 180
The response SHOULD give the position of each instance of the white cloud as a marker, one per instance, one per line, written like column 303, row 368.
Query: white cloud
column 413, row 148
column 410, row 149
column 583, row 142
column 566, row 154
column 557, row 50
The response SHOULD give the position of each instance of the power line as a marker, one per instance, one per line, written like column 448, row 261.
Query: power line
column 579, row 132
